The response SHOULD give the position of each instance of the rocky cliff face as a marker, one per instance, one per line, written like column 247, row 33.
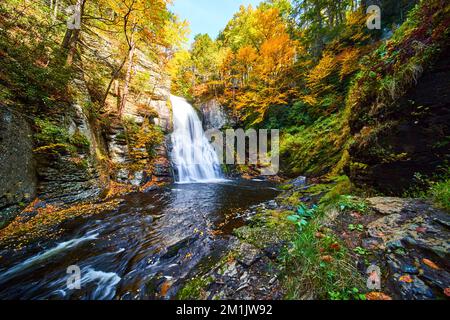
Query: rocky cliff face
column 68, row 176
column 150, row 103
column 17, row 170
column 152, row 106
column 409, row 137
column 214, row 115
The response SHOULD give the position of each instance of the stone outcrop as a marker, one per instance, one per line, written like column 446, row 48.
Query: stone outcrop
column 414, row 243
column 68, row 177
column 214, row 115
column 17, row 170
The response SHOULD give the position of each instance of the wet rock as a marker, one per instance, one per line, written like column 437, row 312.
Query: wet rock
column 230, row 271
column 403, row 128
column 138, row 178
column 63, row 181
column 173, row 250
column 150, row 189
column 407, row 268
column 371, row 243
column 122, row 175
column 149, row 219
column 414, row 290
column 413, row 241
column 299, row 182
column 8, row 214
column 272, row 205
column 214, row 116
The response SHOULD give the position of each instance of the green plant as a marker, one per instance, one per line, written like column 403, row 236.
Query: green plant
column 349, row 294
column 350, row 203
column 358, row 227
column 361, row 251
column 314, row 267
column 194, row 289
column 50, row 133
column 440, row 193
column 300, row 219
column 80, row 141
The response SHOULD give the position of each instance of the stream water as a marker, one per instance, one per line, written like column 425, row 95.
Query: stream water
column 151, row 238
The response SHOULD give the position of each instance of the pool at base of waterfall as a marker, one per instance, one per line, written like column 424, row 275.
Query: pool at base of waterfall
column 166, row 235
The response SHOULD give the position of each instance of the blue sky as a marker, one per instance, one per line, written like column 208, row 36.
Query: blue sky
column 208, row 16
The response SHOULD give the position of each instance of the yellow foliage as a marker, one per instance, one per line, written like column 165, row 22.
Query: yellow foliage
column 316, row 78
column 349, row 62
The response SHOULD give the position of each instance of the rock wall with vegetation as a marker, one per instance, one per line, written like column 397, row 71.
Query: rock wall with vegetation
column 84, row 111
column 400, row 106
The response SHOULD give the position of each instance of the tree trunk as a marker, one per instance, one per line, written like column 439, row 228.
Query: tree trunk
column 55, row 12
column 126, row 86
column 72, row 46
column 71, row 38
column 114, row 77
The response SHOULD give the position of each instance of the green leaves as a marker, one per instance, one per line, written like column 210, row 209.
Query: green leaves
column 351, row 294
column 357, row 227
column 349, row 203
column 300, row 219
column 361, row 251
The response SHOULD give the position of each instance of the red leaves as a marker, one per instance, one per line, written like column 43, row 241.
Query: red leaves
column 421, row 229
column 447, row 292
column 165, row 288
column 335, row 247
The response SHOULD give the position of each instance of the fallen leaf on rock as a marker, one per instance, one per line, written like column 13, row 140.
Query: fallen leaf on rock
column 447, row 292
column 430, row 263
column 377, row 296
column 165, row 287
column 406, row 279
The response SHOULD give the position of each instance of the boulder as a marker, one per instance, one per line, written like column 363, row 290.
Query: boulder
column 248, row 254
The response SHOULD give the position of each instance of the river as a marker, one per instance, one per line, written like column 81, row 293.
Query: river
column 163, row 236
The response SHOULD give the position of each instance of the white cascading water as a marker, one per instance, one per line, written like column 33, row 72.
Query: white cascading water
column 192, row 155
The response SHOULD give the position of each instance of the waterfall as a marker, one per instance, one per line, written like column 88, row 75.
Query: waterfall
column 193, row 156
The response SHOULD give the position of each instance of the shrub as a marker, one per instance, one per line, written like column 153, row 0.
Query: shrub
column 440, row 193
